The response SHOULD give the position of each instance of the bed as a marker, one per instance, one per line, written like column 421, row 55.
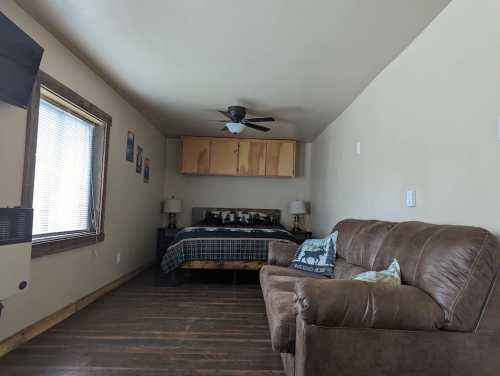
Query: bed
column 225, row 238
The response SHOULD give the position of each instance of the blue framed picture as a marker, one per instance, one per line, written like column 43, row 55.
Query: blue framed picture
column 130, row 146
column 138, row 163
column 147, row 165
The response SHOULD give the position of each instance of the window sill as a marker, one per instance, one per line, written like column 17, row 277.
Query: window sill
column 47, row 247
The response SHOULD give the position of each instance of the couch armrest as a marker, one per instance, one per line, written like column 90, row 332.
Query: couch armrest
column 281, row 253
column 356, row 304
column 326, row 351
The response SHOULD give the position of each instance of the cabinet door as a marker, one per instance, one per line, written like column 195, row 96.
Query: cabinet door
column 280, row 159
column 252, row 158
column 195, row 156
column 223, row 157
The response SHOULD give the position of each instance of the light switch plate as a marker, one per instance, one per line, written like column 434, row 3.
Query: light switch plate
column 358, row 147
column 411, row 199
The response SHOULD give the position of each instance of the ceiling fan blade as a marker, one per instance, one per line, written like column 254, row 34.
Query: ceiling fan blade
column 261, row 119
column 218, row 121
column 225, row 113
column 255, row 126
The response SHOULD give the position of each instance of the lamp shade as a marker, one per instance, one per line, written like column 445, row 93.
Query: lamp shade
column 235, row 127
column 297, row 207
column 172, row 205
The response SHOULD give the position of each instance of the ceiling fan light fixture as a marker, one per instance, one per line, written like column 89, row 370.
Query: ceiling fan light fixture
column 235, row 128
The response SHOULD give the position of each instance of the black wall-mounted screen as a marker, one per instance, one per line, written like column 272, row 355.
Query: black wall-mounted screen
column 20, row 58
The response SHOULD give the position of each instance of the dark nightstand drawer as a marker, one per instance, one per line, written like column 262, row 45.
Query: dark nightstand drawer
column 165, row 243
column 165, row 237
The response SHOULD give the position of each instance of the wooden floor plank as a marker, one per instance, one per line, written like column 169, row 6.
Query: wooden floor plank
column 145, row 329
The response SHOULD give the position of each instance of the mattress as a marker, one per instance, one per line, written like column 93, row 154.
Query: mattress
column 222, row 244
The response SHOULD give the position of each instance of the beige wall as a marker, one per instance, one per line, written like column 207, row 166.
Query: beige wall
column 236, row 192
column 427, row 122
column 132, row 212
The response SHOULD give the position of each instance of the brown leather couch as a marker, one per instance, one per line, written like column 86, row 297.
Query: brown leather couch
column 444, row 319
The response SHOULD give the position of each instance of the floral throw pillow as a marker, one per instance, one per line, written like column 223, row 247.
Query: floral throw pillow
column 391, row 275
column 317, row 255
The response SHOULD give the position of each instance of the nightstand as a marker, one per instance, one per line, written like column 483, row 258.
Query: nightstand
column 302, row 236
column 165, row 237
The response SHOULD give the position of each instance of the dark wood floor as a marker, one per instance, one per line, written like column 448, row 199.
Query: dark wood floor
column 145, row 329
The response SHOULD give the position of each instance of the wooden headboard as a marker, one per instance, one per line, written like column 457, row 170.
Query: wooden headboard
column 198, row 213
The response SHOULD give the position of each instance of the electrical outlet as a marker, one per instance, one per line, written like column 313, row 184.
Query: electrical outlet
column 118, row 257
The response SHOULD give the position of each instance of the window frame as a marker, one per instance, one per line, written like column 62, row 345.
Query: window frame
column 66, row 242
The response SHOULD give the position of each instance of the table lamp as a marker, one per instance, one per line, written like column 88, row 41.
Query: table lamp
column 172, row 207
column 297, row 208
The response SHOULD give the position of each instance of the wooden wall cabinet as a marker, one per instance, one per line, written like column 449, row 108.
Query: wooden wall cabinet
column 252, row 158
column 223, row 157
column 280, row 158
column 238, row 157
column 195, row 156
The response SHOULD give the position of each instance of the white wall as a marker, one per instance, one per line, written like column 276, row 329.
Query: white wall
column 236, row 192
column 427, row 122
column 132, row 210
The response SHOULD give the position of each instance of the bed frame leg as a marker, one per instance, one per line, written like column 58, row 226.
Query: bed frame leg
column 234, row 277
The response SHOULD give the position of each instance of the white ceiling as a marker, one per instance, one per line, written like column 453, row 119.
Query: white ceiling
column 300, row 61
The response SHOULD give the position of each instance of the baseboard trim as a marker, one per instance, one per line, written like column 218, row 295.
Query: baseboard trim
column 48, row 322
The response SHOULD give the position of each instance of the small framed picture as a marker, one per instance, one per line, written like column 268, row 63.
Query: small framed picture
column 147, row 165
column 138, row 162
column 130, row 146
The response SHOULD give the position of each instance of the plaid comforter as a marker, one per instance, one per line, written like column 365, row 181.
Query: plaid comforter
column 221, row 244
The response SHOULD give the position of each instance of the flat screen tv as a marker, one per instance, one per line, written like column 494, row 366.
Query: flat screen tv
column 20, row 58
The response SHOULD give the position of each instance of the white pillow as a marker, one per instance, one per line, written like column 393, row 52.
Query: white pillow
column 391, row 275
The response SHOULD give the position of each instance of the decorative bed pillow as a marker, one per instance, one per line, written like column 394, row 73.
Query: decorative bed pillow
column 391, row 275
column 317, row 255
column 275, row 219
column 259, row 219
column 213, row 218
column 228, row 218
column 262, row 219
column 244, row 217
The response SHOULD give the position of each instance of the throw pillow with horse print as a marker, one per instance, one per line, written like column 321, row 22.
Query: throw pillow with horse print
column 317, row 255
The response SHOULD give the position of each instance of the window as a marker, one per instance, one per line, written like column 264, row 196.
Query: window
column 65, row 168
column 62, row 197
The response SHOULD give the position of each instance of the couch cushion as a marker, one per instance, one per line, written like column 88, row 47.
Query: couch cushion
column 281, row 315
column 356, row 304
column 453, row 264
column 344, row 270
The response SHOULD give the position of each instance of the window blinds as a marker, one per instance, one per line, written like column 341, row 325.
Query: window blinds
column 62, row 197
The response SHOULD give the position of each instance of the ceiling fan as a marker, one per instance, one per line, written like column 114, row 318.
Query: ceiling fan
column 237, row 121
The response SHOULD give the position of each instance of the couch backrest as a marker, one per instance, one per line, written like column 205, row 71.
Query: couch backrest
column 455, row 265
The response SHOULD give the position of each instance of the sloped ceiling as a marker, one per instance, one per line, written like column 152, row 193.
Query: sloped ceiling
column 302, row 62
